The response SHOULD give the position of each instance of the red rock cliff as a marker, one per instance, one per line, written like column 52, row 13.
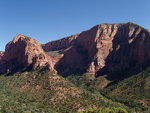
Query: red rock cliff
column 24, row 52
column 60, row 44
column 1, row 55
column 109, row 47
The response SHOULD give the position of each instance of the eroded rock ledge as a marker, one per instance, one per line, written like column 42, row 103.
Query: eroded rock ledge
column 24, row 52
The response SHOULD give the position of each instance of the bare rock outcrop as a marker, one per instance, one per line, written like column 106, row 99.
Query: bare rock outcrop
column 105, row 48
column 60, row 44
column 1, row 55
column 24, row 52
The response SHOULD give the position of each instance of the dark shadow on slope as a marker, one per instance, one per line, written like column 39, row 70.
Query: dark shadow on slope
column 73, row 61
column 121, row 63
column 78, row 56
column 10, row 67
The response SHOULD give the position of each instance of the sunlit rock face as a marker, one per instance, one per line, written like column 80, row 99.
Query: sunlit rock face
column 24, row 52
column 1, row 55
column 103, row 48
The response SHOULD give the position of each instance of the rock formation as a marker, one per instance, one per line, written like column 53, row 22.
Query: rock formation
column 1, row 55
column 60, row 44
column 103, row 48
column 24, row 52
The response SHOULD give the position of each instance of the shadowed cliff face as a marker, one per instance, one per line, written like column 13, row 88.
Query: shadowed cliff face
column 23, row 52
column 129, row 48
column 1, row 54
column 105, row 48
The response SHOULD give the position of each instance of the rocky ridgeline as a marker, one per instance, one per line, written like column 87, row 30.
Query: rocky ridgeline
column 60, row 44
column 24, row 53
column 105, row 48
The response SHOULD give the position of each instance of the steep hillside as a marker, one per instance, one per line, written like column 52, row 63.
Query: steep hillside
column 44, row 92
column 133, row 91
column 105, row 48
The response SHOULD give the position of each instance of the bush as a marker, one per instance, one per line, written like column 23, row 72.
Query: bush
column 105, row 110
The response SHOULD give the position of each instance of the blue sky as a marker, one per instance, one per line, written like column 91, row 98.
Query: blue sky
column 47, row 20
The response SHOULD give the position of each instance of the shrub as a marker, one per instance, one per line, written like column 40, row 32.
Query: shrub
column 105, row 110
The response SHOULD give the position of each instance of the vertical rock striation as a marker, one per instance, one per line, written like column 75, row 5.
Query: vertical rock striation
column 24, row 52
column 103, row 48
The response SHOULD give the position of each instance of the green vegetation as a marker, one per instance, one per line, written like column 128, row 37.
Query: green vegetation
column 102, row 38
column 89, row 82
column 80, row 80
column 133, row 91
column 43, row 92
column 53, row 54
column 105, row 110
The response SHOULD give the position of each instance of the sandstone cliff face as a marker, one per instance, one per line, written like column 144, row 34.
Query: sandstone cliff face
column 103, row 48
column 1, row 55
column 60, row 44
column 24, row 52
